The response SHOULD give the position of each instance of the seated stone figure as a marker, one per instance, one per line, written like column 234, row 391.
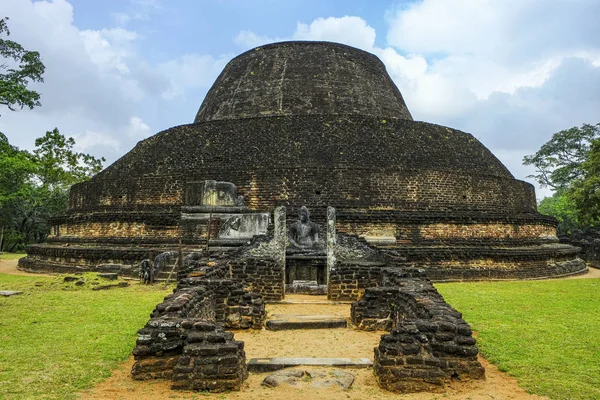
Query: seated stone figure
column 304, row 234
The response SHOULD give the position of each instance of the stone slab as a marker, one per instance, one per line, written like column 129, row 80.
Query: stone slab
column 7, row 293
column 279, row 322
column 274, row 364
column 111, row 276
column 310, row 378
column 301, row 288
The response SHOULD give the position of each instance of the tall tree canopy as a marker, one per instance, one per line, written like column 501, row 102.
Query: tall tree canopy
column 585, row 191
column 558, row 161
column 18, row 68
column 569, row 163
column 34, row 187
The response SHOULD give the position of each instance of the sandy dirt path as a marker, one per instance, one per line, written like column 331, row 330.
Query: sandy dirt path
column 120, row 386
column 309, row 343
column 305, row 343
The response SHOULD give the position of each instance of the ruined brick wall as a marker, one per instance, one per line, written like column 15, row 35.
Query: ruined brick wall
column 262, row 276
column 589, row 242
column 424, row 166
column 115, row 229
column 183, row 340
column 272, row 80
column 349, row 280
column 429, row 343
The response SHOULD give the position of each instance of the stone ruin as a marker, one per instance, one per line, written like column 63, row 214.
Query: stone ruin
column 188, row 340
column 320, row 124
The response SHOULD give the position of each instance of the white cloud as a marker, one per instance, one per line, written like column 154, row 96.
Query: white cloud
column 121, row 18
column 249, row 39
column 89, row 140
column 138, row 129
column 353, row 31
column 191, row 71
column 108, row 48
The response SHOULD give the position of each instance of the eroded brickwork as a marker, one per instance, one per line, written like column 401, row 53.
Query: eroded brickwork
column 429, row 343
column 332, row 132
column 184, row 340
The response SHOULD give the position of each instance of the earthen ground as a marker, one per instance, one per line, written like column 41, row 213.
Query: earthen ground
column 305, row 343
column 347, row 343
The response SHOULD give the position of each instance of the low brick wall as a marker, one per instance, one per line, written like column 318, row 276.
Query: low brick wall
column 261, row 276
column 429, row 343
column 349, row 280
column 184, row 340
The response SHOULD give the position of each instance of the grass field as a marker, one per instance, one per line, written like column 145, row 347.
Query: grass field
column 544, row 333
column 57, row 338
column 11, row 256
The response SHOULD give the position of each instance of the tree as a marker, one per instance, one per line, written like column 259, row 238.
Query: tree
column 558, row 162
column 34, row 187
column 16, row 170
column 58, row 165
column 585, row 191
column 562, row 208
column 18, row 68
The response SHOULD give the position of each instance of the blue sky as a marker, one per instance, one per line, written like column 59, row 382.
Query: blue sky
column 511, row 72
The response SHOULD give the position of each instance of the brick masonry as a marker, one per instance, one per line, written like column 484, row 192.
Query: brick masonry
column 185, row 340
column 428, row 344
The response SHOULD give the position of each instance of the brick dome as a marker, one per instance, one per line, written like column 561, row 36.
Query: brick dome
column 315, row 124
column 303, row 78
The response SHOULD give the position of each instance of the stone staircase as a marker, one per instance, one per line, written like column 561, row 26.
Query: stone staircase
column 304, row 312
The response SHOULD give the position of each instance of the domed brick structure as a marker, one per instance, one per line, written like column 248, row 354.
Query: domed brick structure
column 316, row 124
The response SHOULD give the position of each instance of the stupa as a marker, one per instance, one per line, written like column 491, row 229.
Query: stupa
column 312, row 124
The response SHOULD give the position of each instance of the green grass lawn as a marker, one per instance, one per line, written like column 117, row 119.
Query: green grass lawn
column 12, row 256
column 57, row 338
column 544, row 333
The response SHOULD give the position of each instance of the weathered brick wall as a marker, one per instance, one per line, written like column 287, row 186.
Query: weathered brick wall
column 589, row 242
column 183, row 342
column 235, row 306
column 272, row 81
column 429, row 343
column 116, row 229
column 424, row 166
column 493, row 230
column 349, row 280
column 415, row 233
column 262, row 276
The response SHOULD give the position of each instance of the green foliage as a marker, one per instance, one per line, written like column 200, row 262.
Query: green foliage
column 58, row 165
column 585, row 191
column 12, row 256
column 34, row 186
column 57, row 339
column 558, row 161
column 542, row 333
column 563, row 209
column 18, row 68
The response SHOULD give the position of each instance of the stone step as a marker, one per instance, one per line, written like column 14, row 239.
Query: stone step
column 280, row 322
column 274, row 364
column 329, row 302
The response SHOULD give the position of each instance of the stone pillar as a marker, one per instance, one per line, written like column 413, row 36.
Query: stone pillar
column 280, row 238
column 331, row 241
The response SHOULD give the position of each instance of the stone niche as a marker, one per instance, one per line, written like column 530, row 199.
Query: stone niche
column 212, row 193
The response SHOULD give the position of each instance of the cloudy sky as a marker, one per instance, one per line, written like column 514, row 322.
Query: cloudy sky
column 511, row 72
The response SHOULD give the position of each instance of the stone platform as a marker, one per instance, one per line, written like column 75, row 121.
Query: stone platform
column 279, row 322
column 274, row 364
